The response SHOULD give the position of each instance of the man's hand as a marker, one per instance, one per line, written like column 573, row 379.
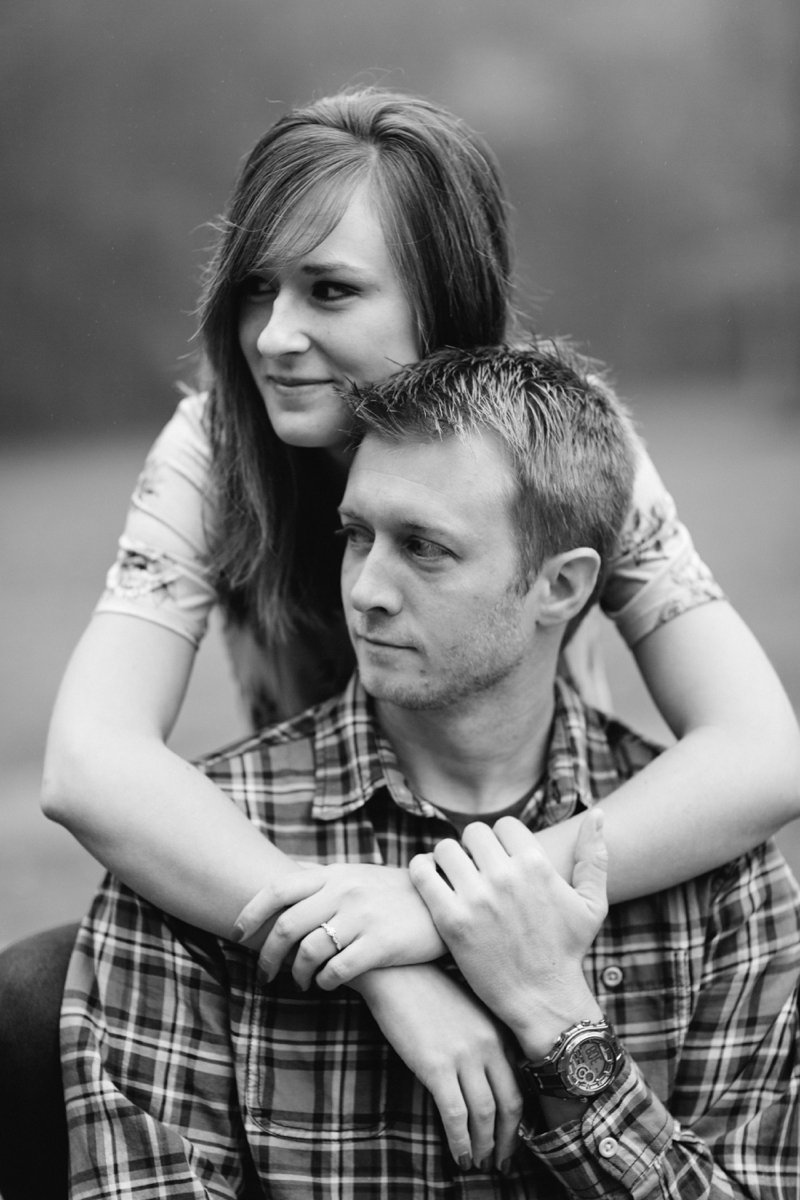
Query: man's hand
column 517, row 930
column 457, row 1051
column 374, row 911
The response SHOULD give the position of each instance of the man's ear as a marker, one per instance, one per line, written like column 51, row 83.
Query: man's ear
column 565, row 582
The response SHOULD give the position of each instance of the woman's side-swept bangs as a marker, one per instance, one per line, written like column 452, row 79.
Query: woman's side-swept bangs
column 294, row 201
column 279, row 213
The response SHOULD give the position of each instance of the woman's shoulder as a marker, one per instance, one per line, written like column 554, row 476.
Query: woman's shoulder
column 189, row 421
column 184, row 443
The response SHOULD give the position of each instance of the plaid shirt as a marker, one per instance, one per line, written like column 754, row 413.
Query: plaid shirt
column 186, row 1076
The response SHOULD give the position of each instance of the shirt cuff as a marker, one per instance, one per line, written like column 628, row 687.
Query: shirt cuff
column 615, row 1148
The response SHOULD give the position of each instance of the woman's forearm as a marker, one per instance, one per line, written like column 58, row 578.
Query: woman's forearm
column 146, row 814
column 677, row 818
column 166, row 831
column 732, row 778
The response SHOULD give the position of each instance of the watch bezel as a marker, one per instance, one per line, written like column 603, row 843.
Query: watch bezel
column 554, row 1075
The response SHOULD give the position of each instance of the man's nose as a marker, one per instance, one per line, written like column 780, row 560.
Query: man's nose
column 372, row 584
column 284, row 331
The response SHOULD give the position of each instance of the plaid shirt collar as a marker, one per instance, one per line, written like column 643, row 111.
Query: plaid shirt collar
column 354, row 760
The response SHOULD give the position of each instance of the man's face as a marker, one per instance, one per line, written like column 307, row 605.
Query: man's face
column 431, row 571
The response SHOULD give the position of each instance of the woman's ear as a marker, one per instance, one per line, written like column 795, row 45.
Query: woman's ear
column 565, row 582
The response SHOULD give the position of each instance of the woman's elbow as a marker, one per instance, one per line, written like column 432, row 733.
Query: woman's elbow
column 60, row 779
column 770, row 757
column 788, row 770
column 72, row 767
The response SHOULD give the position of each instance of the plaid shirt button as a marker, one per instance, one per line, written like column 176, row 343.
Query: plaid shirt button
column 612, row 976
column 608, row 1147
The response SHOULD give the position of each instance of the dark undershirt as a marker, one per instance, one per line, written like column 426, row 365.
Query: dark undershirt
column 460, row 820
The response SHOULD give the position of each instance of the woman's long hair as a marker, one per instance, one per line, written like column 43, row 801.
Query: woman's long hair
column 439, row 196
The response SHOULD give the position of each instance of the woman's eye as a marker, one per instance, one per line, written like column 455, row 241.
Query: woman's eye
column 258, row 287
column 328, row 290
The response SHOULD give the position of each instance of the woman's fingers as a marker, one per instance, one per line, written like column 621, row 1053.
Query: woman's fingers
column 480, row 1110
column 454, row 1112
column 271, row 899
column 508, row 1099
column 314, row 951
column 293, row 926
column 482, row 1116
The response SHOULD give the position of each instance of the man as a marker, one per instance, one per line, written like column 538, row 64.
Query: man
column 656, row 1043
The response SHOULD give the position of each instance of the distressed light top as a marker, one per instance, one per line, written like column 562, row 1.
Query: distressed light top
column 163, row 574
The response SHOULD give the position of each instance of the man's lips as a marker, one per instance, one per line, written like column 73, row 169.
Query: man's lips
column 382, row 643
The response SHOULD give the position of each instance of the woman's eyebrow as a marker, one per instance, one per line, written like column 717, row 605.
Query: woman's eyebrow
column 331, row 268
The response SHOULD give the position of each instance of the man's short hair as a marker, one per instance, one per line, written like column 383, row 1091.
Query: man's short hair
column 568, row 438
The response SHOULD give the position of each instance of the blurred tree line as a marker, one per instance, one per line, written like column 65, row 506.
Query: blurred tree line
column 650, row 153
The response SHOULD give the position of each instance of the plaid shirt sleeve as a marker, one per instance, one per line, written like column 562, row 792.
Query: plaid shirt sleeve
column 149, row 1077
column 732, row 1123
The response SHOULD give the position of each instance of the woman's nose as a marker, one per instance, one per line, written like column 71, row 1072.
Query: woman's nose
column 284, row 331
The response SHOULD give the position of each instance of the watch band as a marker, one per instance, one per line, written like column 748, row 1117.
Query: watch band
column 583, row 1063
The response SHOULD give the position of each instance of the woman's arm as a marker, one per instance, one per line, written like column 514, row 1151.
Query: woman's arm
column 731, row 780
column 733, row 777
column 148, row 816
column 458, row 1052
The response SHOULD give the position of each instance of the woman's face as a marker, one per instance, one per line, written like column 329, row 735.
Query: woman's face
column 337, row 314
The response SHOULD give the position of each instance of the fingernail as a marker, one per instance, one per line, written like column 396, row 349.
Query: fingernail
column 238, row 933
column 465, row 1161
column 486, row 1165
column 505, row 1166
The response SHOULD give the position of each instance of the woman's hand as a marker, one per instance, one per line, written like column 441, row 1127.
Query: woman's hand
column 374, row 912
column 457, row 1051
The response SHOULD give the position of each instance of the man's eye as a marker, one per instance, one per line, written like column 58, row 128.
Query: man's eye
column 427, row 551
column 356, row 536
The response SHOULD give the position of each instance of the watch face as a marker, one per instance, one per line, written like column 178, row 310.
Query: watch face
column 588, row 1066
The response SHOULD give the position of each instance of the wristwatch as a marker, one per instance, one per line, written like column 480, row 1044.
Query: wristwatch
column 584, row 1061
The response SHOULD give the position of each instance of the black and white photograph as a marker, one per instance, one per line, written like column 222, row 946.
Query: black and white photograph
column 399, row 462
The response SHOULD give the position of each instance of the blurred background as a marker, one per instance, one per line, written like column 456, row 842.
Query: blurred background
column 652, row 160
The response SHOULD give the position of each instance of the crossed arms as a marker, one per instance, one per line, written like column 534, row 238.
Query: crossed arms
column 725, row 1122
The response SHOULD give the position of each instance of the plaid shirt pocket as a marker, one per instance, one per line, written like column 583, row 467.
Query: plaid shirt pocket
column 642, row 989
column 317, row 1065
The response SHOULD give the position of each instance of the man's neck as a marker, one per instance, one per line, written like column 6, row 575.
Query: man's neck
column 474, row 757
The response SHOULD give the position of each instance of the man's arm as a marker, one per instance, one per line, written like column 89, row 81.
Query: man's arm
column 519, row 932
column 731, row 1125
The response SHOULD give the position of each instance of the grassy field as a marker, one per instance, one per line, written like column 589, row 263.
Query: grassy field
column 730, row 457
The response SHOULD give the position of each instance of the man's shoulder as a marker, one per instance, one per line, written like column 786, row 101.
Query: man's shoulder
column 329, row 749
column 630, row 750
column 274, row 750
column 605, row 750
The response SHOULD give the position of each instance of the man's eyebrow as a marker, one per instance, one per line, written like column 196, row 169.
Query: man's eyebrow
column 401, row 525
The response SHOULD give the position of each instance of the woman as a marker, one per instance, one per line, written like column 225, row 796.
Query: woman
column 364, row 231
